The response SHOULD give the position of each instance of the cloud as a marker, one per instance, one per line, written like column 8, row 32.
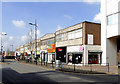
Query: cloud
column 19, row 24
column 11, row 37
column 24, row 38
column 68, row 17
column 91, row 1
column 58, row 27
column 97, row 17
column 16, row 41
column 4, row 33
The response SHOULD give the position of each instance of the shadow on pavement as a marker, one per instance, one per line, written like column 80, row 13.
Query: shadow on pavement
column 10, row 76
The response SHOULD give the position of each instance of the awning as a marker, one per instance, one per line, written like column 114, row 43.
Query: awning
column 95, row 51
column 75, row 52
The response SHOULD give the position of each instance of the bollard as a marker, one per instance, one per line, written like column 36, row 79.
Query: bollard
column 41, row 63
column 52, row 64
column 74, row 67
column 91, row 68
column 46, row 64
column 61, row 67
column 108, row 67
column 36, row 62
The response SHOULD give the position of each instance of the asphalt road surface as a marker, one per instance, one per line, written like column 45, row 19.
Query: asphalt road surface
column 15, row 73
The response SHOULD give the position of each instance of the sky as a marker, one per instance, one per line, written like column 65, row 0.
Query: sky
column 50, row 16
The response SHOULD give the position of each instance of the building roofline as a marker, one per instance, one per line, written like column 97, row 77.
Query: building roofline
column 79, row 23
column 46, row 34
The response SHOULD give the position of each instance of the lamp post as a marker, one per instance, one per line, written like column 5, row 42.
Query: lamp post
column 12, row 46
column 35, row 25
column 2, row 46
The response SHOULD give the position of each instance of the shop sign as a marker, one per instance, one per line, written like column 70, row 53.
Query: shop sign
column 51, row 48
column 74, row 49
column 81, row 48
column 59, row 49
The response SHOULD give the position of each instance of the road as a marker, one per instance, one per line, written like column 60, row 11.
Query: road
column 16, row 72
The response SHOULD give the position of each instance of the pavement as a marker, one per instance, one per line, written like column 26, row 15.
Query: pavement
column 15, row 72
column 94, row 69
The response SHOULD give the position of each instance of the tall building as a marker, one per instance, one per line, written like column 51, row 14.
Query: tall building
column 110, row 31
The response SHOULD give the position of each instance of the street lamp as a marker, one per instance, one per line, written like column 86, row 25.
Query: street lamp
column 12, row 46
column 35, row 24
column 2, row 46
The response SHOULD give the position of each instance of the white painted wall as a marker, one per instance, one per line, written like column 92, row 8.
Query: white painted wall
column 111, row 51
column 108, row 42
column 103, row 30
column 112, row 7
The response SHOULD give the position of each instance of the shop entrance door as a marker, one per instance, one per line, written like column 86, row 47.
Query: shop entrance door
column 77, row 58
column 93, row 59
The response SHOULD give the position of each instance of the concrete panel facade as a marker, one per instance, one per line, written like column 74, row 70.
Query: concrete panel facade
column 69, row 42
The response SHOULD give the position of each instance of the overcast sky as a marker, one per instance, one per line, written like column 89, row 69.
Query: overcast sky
column 51, row 16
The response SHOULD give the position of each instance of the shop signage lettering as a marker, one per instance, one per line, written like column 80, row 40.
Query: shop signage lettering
column 51, row 48
column 59, row 49
column 74, row 49
column 81, row 49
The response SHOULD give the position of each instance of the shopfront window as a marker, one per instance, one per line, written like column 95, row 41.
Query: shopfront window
column 70, row 58
column 94, row 58
column 75, row 58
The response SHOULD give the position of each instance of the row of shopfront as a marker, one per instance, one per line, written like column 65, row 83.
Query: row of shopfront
column 77, row 44
column 68, row 54
column 75, row 55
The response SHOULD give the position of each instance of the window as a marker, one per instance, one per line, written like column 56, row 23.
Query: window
column 44, row 42
column 90, row 39
column 51, row 41
column 75, row 34
column 61, row 37
column 112, row 19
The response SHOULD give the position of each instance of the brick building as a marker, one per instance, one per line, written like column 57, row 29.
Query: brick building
column 79, row 44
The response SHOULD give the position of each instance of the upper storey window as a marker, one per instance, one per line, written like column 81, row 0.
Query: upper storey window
column 75, row 34
column 112, row 19
column 61, row 37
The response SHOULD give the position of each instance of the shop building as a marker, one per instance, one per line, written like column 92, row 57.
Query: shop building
column 17, row 51
column 26, row 49
column 79, row 44
column 110, row 31
column 31, row 48
column 48, row 48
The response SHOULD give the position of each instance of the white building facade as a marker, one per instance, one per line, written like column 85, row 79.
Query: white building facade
column 110, row 31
